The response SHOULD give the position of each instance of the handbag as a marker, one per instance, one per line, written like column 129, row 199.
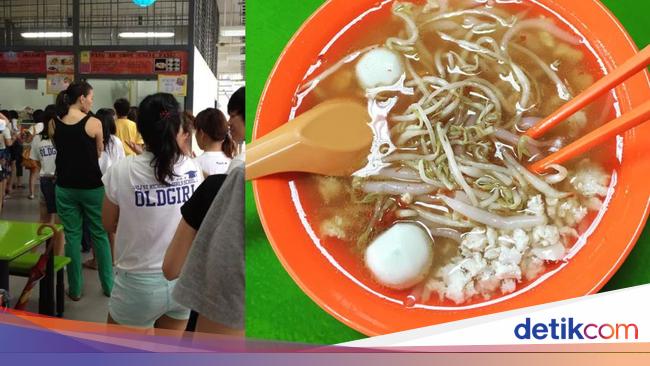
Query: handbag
column 27, row 162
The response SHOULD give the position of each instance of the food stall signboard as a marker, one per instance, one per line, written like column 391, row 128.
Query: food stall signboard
column 133, row 63
column 36, row 62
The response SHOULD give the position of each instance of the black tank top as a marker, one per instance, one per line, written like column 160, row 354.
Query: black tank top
column 76, row 156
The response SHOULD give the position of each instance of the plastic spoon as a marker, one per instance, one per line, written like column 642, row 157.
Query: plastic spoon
column 332, row 138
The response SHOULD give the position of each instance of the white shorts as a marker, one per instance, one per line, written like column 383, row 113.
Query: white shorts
column 139, row 299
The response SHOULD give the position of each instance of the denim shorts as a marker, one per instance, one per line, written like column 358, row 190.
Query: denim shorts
column 48, row 195
column 139, row 299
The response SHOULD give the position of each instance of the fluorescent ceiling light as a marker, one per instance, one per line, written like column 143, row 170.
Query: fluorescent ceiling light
column 46, row 34
column 237, row 31
column 146, row 34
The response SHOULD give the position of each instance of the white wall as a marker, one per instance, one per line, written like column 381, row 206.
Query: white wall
column 107, row 91
column 205, row 85
column 14, row 96
column 205, row 90
column 144, row 88
column 226, row 90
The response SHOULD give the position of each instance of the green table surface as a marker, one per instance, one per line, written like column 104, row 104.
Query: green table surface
column 17, row 238
column 276, row 308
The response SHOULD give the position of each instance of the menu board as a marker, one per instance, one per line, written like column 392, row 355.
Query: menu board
column 173, row 84
column 36, row 62
column 60, row 64
column 133, row 63
column 55, row 83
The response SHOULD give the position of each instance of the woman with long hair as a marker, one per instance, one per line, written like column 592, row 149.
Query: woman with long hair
column 44, row 152
column 144, row 194
column 187, row 126
column 79, row 142
column 213, row 137
column 29, row 163
column 113, row 147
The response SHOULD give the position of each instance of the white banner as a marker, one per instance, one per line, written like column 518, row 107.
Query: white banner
column 610, row 317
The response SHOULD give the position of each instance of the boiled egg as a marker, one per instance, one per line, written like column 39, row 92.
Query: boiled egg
column 378, row 67
column 401, row 256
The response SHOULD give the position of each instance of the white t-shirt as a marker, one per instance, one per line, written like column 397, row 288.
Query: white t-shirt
column 45, row 152
column 214, row 162
column 115, row 152
column 5, row 133
column 149, row 211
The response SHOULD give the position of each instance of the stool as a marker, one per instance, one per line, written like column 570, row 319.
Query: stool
column 22, row 265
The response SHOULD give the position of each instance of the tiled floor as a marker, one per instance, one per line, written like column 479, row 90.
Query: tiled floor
column 94, row 305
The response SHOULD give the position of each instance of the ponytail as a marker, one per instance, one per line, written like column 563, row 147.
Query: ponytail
column 70, row 96
column 229, row 147
column 49, row 114
column 159, row 123
column 62, row 103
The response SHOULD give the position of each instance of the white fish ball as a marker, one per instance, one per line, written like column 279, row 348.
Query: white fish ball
column 401, row 256
column 378, row 67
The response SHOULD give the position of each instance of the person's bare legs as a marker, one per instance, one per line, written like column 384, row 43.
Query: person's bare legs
column 45, row 218
column 59, row 239
column 10, row 179
column 111, row 240
column 18, row 179
column 48, row 218
column 33, row 175
column 92, row 262
column 205, row 325
column 166, row 322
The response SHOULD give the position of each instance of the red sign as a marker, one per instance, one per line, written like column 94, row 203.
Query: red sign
column 134, row 63
column 36, row 62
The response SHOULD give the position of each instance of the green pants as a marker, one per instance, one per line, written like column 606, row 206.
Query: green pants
column 73, row 206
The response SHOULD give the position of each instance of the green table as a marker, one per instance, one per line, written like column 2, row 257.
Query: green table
column 18, row 238
column 275, row 307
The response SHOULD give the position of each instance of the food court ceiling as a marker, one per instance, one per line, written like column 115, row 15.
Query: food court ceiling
column 102, row 19
column 231, row 55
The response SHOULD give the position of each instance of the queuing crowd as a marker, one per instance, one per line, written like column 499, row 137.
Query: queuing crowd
column 166, row 226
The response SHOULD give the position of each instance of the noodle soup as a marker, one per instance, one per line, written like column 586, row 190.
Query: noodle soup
column 444, row 211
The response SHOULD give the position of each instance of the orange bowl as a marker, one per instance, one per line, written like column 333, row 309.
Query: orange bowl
column 608, row 242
